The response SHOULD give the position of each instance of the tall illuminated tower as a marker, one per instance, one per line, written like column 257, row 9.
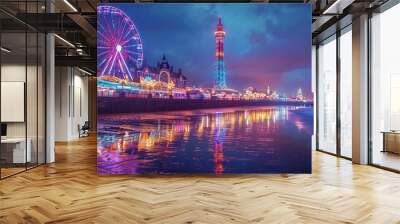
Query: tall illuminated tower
column 219, row 34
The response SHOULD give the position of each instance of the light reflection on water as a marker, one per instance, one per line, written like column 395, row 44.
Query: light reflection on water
column 239, row 140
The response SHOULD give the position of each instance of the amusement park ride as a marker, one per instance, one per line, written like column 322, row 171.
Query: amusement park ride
column 121, row 71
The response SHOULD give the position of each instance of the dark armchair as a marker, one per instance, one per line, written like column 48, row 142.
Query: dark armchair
column 84, row 130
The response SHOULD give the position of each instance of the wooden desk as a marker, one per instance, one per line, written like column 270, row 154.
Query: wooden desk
column 16, row 148
column 391, row 141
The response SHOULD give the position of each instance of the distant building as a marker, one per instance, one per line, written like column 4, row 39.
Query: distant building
column 268, row 90
column 163, row 72
column 274, row 95
column 299, row 95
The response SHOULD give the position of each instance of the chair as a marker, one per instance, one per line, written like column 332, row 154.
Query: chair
column 84, row 130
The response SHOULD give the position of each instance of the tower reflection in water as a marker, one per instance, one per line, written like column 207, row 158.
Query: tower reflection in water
column 135, row 144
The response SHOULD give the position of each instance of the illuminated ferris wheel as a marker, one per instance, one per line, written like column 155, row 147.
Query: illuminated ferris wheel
column 119, row 47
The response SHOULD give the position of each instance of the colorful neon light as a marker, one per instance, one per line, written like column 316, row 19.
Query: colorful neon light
column 119, row 44
column 220, row 81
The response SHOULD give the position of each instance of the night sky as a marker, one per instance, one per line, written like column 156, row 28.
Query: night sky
column 265, row 44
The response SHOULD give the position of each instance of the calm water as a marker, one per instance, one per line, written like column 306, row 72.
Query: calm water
column 236, row 140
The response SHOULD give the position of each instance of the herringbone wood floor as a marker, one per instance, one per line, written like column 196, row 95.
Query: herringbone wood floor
column 70, row 191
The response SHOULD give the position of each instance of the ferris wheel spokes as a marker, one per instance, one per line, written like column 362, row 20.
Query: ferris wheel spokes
column 120, row 49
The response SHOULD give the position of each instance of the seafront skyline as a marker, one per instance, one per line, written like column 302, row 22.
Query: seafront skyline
column 256, row 53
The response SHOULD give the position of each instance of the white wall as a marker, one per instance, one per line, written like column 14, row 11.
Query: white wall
column 33, row 127
column 80, row 110
column 71, row 102
column 17, row 73
column 61, row 103
column 14, row 73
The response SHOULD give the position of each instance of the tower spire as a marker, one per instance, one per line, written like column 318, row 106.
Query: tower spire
column 300, row 94
column 219, row 34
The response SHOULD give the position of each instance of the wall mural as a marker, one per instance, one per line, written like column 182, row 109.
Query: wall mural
column 204, row 88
